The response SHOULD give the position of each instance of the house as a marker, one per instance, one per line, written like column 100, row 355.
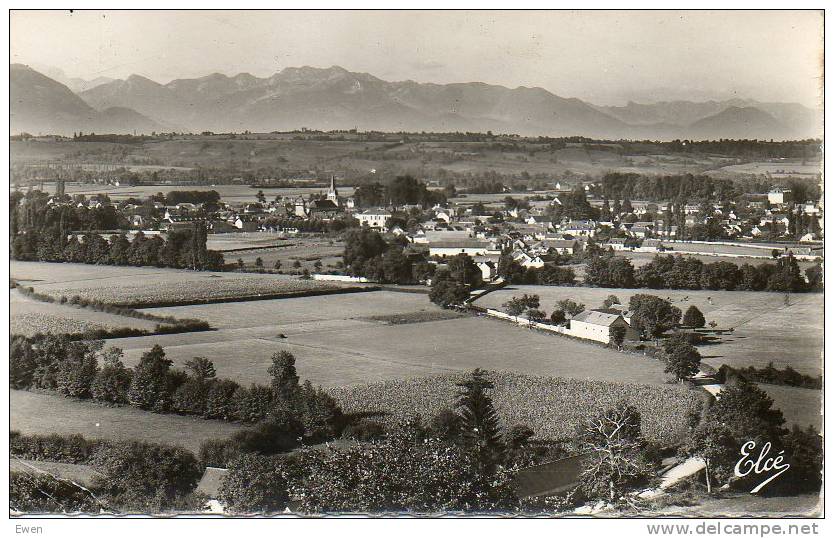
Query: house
column 617, row 244
column 778, row 196
column 599, row 325
column 580, row 228
column 247, row 223
column 562, row 246
column 376, row 219
column 464, row 246
column 488, row 266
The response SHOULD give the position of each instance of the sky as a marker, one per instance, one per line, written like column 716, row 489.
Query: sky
column 604, row 57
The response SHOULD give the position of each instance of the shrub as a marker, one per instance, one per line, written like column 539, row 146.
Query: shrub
column 254, row 484
column 42, row 493
column 364, row 430
column 220, row 401
column 145, row 477
column 53, row 447
column 252, row 404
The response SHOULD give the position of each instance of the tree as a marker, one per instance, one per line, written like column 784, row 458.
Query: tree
column 201, row 368
column 610, row 301
column 22, row 363
column 113, row 380
column 284, row 377
column 446, row 291
column 682, row 358
column 255, row 483
column 694, row 318
column 259, row 262
column 558, row 317
column 618, row 334
column 743, row 413
column 462, row 268
column 149, row 388
column 652, row 314
column 518, row 305
column 277, row 265
column 479, row 423
column 570, row 307
column 535, row 314
column 144, row 477
column 77, row 371
column 614, row 442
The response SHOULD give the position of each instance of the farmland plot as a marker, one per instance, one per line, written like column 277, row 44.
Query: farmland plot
column 766, row 327
column 29, row 317
column 554, row 408
column 36, row 413
column 139, row 286
column 335, row 344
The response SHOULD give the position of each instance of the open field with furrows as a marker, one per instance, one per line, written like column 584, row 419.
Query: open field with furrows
column 29, row 317
column 337, row 342
column 36, row 413
column 138, row 286
column 554, row 408
column 766, row 329
column 306, row 250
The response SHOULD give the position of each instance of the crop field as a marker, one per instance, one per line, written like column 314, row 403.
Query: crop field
column 29, row 317
column 139, row 286
column 554, row 408
column 36, row 413
column 337, row 342
column 305, row 250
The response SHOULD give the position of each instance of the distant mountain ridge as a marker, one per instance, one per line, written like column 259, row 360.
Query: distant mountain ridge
column 40, row 104
column 335, row 98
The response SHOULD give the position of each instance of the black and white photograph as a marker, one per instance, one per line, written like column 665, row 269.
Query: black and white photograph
column 423, row 263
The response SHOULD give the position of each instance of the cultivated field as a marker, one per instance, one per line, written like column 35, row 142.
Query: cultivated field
column 766, row 329
column 34, row 413
column 305, row 250
column 337, row 342
column 28, row 317
column 554, row 408
column 138, row 286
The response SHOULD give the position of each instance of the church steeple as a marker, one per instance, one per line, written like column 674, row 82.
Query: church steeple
column 332, row 193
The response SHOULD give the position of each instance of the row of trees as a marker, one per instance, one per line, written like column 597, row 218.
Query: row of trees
column 686, row 272
column 72, row 369
column 180, row 249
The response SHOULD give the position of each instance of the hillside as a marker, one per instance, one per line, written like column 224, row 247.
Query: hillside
column 40, row 104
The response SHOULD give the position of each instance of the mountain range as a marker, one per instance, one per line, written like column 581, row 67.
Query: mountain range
column 334, row 98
